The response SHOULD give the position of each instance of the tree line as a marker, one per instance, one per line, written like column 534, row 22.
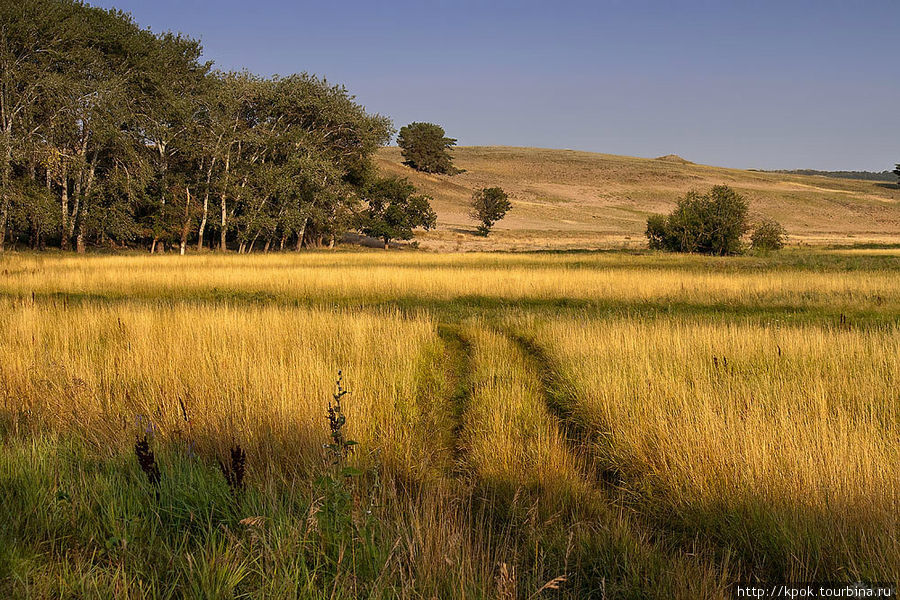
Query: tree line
column 113, row 135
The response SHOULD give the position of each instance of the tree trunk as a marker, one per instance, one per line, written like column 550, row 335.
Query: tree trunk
column 281, row 245
column 187, row 224
column 86, row 190
column 79, row 238
column 64, row 205
column 205, row 206
column 4, row 183
column 301, row 233
column 386, row 243
column 75, row 208
column 222, row 246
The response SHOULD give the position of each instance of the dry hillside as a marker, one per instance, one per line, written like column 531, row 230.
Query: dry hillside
column 569, row 199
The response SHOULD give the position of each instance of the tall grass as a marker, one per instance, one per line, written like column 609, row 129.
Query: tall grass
column 610, row 425
column 780, row 440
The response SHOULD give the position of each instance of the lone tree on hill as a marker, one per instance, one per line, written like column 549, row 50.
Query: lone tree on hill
column 489, row 205
column 425, row 148
column 710, row 223
column 897, row 172
column 394, row 210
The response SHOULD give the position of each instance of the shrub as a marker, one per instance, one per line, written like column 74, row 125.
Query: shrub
column 768, row 235
column 710, row 223
column 489, row 205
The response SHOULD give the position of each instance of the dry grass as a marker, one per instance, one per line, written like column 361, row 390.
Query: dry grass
column 568, row 199
column 641, row 425
column 765, row 436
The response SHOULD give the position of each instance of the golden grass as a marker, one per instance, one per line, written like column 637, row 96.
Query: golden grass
column 790, row 431
column 260, row 375
column 719, row 436
column 354, row 278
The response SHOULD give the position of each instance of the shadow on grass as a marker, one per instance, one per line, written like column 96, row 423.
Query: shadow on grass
column 455, row 309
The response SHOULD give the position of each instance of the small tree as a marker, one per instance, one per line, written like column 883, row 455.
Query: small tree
column 711, row 223
column 897, row 172
column 425, row 148
column 394, row 210
column 489, row 205
column 767, row 236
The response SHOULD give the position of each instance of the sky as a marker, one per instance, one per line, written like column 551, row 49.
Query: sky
column 746, row 84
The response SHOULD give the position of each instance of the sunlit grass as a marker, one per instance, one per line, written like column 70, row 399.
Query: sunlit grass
column 782, row 439
column 643, row 425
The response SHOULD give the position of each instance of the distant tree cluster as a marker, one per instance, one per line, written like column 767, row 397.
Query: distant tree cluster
column 861, row 175
column 711, row 223
column 426, row 148
column 113, row 135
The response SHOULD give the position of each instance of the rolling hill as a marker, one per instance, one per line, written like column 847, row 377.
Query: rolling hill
column 569, row 199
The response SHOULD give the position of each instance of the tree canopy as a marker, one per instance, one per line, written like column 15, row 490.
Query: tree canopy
column 489, row 205
column 425, row 148
column 113, row 135
column 710, row 223
column 394, row 210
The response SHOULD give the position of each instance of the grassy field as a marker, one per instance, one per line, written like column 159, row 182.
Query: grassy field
column 567, row 199
column 547, row 425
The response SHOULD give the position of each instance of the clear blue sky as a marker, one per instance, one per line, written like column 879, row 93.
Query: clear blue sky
column 724, row 82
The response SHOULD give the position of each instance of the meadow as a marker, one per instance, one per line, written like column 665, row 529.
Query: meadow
column 534, row 425
column 564, row 199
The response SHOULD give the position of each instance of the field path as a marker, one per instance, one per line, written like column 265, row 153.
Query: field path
column 459, row 366
column 588, row 441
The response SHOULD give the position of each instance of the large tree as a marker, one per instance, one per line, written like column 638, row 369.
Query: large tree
column 394, row 210
column 134, row 140
column 426, row 148
column 897, row 171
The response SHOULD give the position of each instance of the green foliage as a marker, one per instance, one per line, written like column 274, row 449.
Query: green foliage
column 711, row 223
column 136, row 140
column 768, row 235
column 425, row 148
column 489, row 205
column 897, row 170
column 394, row 210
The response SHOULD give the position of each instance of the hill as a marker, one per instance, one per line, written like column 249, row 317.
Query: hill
column 571, row 199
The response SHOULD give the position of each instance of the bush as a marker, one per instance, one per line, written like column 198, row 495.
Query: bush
column 767, row 236
column 425, row 148
column 489, row 206
column 711, row 223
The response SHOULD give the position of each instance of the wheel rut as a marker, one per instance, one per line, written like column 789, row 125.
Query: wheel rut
column 459, row 366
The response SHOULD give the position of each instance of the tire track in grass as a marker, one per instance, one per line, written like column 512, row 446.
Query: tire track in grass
column 546, row 500
column 589, row 443
column 459, row 367
column 584, row 440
